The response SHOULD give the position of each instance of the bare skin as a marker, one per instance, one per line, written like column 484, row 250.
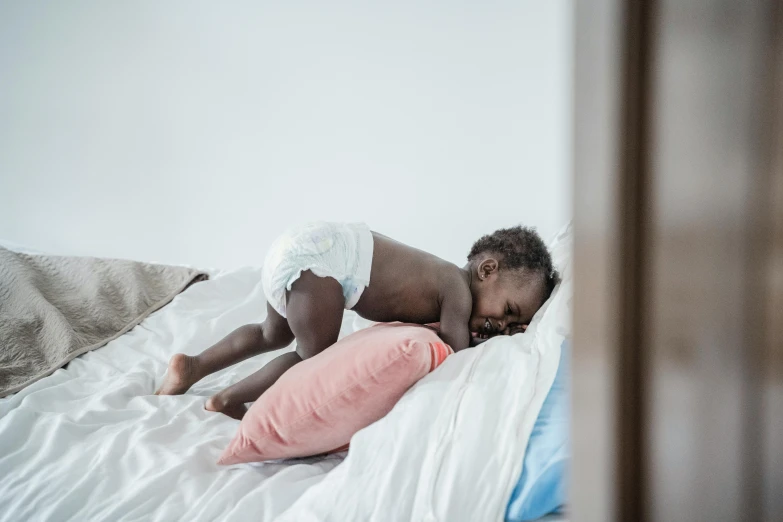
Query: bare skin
column 471, row 303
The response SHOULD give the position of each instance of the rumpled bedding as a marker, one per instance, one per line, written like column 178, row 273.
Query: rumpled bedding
column 92, row 442
column 54, row 308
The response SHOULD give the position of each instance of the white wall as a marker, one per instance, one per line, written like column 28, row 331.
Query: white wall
column 193, row 132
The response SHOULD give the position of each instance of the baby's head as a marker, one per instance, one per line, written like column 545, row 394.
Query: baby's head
column 511, row 276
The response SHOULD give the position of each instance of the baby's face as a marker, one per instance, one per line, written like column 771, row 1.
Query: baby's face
column 503, row 304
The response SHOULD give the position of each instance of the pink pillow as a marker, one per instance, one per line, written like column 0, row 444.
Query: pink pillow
column 317, row 406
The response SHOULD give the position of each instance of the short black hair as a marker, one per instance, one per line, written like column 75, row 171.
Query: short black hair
column 519, row 248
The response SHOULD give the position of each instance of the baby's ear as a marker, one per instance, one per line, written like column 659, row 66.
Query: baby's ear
column 487, row 267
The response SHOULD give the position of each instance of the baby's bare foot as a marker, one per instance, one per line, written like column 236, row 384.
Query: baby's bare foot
column 220, row 404
column 181, row 375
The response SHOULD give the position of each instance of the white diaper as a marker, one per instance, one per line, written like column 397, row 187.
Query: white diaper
column 339, row 250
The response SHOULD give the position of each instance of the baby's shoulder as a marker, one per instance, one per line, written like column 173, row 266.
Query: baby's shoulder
column 453, row 282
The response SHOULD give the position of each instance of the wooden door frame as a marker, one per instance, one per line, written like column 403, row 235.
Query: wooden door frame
column 613, row 104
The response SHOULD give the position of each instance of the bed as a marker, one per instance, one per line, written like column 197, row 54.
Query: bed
column 92, row 442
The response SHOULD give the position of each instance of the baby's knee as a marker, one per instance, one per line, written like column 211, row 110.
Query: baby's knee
column 275, row 335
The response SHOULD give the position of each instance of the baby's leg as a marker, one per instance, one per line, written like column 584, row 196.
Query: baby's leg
column 315, row 310
column 244, row 342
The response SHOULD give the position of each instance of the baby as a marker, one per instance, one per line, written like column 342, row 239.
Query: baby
column 312, row 273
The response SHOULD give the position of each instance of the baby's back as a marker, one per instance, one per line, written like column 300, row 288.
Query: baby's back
column 406, row 284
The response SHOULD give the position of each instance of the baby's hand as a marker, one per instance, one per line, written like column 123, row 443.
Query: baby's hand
column 475, row 341
column 514, row 329
column 509, row 330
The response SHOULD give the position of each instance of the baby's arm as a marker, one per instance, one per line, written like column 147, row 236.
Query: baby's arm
column 455, row 310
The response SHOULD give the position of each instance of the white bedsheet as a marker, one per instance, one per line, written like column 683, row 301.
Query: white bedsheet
column 92, row 442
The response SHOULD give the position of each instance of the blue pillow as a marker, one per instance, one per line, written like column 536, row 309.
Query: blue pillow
column 541, row 488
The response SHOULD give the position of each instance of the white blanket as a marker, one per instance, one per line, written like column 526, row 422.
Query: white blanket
column 452, row 448
column 92, row 442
